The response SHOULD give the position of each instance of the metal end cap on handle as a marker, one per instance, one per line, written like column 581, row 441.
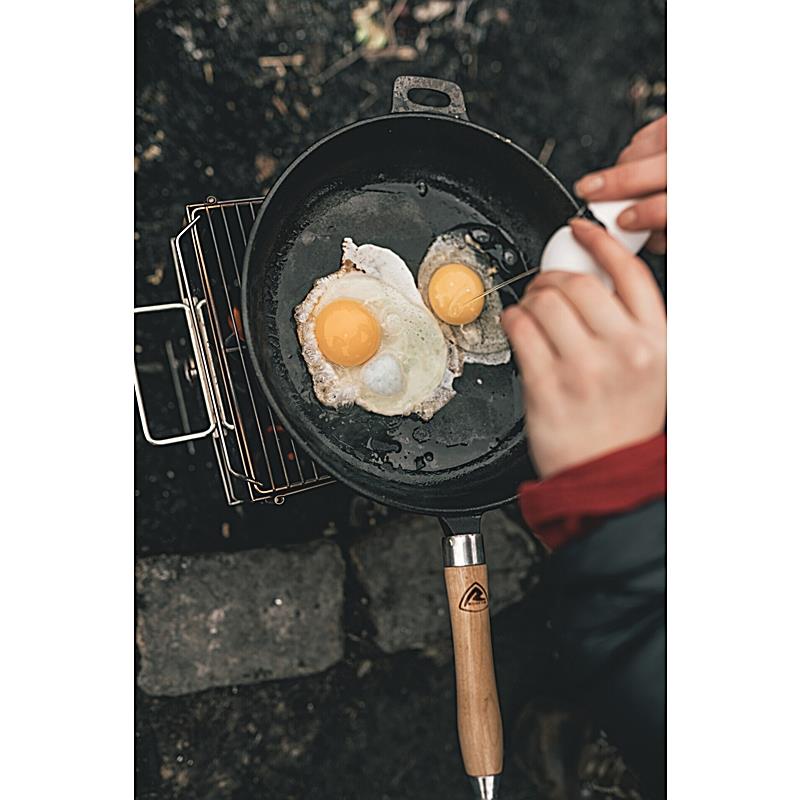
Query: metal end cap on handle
column 486, row 787
column 463, row 550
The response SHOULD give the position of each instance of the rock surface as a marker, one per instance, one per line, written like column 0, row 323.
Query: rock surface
column 400, row 569
column 224, row 619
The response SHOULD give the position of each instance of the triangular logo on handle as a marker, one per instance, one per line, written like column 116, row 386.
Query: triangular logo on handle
column 474, row 599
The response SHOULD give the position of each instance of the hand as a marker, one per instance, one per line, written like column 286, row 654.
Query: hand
column 593, row 362
column 640, row 171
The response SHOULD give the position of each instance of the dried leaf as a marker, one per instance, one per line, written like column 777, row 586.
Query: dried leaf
column 640, row 90
column 265, row 167
column 370, row 26
column 155, row 278
column 152, row 152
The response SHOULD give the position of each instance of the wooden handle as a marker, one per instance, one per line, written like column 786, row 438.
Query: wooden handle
column 480, row 728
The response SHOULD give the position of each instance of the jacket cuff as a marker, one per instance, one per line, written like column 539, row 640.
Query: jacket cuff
column 573, row 502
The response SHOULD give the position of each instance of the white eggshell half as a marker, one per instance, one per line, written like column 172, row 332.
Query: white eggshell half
column 562, row 252
column 607, row 212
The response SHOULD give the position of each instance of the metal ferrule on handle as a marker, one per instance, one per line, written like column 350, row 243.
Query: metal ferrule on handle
column 463, row 550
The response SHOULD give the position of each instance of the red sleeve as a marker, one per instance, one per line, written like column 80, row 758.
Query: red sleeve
column 572, row 502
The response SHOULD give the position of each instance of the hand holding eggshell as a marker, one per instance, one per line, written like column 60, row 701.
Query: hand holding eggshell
column 593, row 363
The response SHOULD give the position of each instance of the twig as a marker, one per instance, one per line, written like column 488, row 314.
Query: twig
column 371, row 98
column 280, row 106
column 392, row 50
column 302, row 109
column 279, row 63
column 547, row 151
column 433, row 10
column 461, row 13
column 391, row 18
column 397, row 52
column 343, row 63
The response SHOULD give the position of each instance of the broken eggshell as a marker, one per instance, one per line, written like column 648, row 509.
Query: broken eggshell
column 562, row 251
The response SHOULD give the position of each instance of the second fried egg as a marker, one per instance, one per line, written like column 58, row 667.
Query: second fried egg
column 453, row 271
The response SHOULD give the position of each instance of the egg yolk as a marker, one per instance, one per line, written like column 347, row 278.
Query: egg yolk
column 451, row 292
column 347, row 334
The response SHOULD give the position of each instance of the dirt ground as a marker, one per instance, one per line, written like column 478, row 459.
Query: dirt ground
column 227, row 94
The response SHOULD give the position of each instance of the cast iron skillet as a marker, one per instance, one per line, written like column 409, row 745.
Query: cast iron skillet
column 398, row 181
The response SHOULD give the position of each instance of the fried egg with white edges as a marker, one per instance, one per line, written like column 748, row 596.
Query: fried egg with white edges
column 369, row 339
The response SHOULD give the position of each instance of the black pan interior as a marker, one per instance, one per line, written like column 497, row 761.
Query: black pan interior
column 398, row 181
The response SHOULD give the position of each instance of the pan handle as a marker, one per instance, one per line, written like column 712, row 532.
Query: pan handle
column 480, row 727
column 405, row 84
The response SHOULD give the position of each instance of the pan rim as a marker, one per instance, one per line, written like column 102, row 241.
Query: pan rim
column 363, row 489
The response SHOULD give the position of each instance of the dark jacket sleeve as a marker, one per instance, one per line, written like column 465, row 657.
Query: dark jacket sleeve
column 608, row 612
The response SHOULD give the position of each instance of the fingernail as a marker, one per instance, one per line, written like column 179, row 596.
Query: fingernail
column 579, row 222
column 589, row 185
column 627, row 218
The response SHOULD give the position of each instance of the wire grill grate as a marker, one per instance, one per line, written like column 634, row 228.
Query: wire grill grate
column 258, row 460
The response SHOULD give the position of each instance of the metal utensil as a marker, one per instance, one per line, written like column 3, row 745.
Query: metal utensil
column 498, row 286
column 583, row 211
